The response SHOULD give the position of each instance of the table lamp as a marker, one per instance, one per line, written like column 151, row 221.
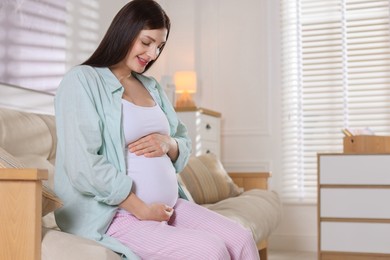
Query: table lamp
column 185, row 82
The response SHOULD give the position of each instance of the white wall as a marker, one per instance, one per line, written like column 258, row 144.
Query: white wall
column 226, row 47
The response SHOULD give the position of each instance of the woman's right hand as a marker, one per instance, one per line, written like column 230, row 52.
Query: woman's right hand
column 142, row 211
column 158, row 212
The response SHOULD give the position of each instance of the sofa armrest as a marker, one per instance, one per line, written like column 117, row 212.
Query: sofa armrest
column 21, row 213
column 251, row 180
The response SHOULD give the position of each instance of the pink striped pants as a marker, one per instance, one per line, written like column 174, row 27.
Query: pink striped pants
column 193, row 232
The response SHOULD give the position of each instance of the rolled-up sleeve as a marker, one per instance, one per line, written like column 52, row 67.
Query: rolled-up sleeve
column 184, row 146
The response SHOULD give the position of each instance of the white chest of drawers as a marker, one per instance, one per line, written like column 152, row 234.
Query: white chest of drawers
column 204, row 129
column 354, row 206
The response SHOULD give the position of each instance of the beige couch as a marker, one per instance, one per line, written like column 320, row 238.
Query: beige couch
column 28, row 144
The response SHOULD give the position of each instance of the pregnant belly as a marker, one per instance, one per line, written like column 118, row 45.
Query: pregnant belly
column 154, row 179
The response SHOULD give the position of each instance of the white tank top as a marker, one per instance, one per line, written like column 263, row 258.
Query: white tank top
column 154, row 179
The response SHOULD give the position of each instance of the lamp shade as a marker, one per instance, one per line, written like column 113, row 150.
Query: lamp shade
column 185, row 81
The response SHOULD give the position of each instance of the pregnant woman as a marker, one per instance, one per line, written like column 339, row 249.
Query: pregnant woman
column 120, row 145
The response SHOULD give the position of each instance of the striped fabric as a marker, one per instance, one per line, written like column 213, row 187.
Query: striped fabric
column 207, row 180
column 8, row 161
column 50, row 201
column 192, row 233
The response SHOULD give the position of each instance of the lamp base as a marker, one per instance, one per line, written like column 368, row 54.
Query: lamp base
column 185, row 100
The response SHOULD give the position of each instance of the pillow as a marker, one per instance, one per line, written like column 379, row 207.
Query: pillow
column 50, row 201
column 207, row 180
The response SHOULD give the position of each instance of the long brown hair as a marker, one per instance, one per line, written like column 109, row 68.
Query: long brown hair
column 135, row 16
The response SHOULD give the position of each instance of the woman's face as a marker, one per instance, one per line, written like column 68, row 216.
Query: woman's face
column 146, row 48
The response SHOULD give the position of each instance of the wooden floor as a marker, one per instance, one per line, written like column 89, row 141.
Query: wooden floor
column 291, row 255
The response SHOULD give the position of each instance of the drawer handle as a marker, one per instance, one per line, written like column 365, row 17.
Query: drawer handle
column 208, row 126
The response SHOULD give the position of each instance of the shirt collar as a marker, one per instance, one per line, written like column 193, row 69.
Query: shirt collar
column 112, row 82
column 149, row 83
column 115, row 84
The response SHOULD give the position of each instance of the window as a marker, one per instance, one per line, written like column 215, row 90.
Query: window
column 336, row 74
column 41, row 39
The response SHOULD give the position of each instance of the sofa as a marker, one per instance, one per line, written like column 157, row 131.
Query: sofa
column 27, row 158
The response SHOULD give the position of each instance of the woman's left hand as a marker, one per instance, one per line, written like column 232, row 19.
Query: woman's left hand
column 153, row 145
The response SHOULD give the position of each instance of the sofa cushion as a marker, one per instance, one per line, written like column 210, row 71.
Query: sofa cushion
column 7, row 160
column 63, row 246
column 30, row 138
column 50, row 201
column 27, row 133
column 260, row 211
column 207, row 180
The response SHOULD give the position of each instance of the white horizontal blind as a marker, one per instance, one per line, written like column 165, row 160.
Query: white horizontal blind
column 336, row 74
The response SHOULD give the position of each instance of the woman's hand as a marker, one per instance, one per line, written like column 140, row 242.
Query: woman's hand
column 155, row 145
column 156, row 212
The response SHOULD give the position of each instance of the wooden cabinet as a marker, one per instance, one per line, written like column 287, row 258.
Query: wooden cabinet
column 204, row 129
column 353, row 206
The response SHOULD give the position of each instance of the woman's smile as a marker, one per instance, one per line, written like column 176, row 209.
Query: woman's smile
column 142, row 62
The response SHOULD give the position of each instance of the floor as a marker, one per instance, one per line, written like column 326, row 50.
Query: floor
column 291, row 255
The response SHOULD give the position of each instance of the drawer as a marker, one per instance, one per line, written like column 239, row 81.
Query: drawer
column 354, row 203
column 204, row 147
column 355, row 237
column 209, row 127
column 210, row 147
column 354, row 169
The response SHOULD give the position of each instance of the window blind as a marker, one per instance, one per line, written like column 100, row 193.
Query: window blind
column 336, row 74
column 40, row 38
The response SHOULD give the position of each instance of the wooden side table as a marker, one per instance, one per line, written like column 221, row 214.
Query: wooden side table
column 21, row 213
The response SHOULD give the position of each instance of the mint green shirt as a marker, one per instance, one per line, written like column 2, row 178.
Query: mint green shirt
column 90, row 164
